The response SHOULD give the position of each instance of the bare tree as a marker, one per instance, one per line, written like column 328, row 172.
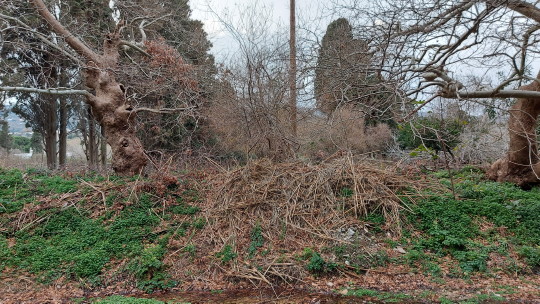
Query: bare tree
column 253, row 115
column 427, row 48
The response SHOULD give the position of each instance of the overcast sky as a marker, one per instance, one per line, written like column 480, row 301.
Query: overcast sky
column 206, row 10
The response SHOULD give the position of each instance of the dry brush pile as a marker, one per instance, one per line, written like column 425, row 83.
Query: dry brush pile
column 294, row 206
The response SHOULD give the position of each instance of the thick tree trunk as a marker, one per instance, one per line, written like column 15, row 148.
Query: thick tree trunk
column 522, row 163
column 116, row 116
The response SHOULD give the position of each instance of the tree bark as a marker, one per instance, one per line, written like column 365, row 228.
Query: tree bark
column 50, row 137
column 62, row 136
column 522, row 163
column 91, row 148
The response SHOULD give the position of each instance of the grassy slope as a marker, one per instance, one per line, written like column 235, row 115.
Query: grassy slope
column 62, row 227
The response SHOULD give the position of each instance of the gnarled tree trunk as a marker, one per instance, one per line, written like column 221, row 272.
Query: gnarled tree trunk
column 108, row 101
column 522, row 163
column 115, row 115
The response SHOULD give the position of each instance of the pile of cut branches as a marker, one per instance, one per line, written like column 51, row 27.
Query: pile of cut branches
column 297, row 203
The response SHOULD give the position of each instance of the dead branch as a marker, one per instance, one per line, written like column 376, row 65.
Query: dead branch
column 165, row 110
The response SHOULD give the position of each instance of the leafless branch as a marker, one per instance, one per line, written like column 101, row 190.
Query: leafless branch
column 522, row 7
column 53, row 91
column 165, row 110
column 493, row 94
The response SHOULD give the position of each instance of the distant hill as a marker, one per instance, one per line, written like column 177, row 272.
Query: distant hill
column 17, row 126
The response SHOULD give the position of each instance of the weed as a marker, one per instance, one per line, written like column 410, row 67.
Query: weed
column 227, row 254
column 432, row 269
column 127, row 300
column 199, row 223
column 471, row 260
column 14, row 191
column 159, row 281
column 71, row 244
column 317, row 265
column 4, row 253
column 531, row 255
column 56, row 184
column 190, row 249
column 307, row 253
column 386, row 297
column 257, row 240
column 148, row 262
column 452, row 227
column 445, row 300
column 184, row 209
column 148, row 269
column 506, row 289
column 346, row 192
column 482, row 298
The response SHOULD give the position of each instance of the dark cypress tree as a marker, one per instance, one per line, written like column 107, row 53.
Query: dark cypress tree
column 343, row 75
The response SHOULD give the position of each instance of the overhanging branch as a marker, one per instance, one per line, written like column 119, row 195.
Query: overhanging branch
column 526, row 9
column 492, row 94
column 53, row 91
column 90, row 98
column 41, row 37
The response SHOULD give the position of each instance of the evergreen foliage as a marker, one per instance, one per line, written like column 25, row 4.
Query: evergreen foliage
column 430, row 134
column 6, row 140
column 343, row 75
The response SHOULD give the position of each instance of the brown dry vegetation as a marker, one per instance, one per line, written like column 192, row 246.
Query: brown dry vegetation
column 343, row 130
column 264, row 131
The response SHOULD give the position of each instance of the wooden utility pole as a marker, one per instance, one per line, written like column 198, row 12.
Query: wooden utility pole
column 292, row 68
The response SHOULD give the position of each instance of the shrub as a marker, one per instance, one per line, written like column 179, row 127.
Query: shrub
column 344, row 130
column 430, row 133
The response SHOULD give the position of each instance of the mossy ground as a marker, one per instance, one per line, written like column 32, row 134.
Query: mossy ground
column 95, row 232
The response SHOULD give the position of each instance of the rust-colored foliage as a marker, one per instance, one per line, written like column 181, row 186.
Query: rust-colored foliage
column 171, row 66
